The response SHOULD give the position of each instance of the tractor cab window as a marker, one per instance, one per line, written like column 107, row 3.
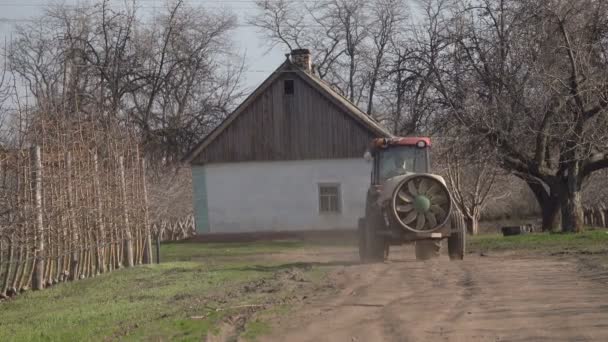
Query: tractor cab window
column 396, row 161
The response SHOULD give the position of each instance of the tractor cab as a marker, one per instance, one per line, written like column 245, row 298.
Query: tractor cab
column 398, row 156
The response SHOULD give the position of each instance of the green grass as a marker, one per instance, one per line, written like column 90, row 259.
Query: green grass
column 177, row 300
column 154, row 302
column 589, row 242
column 256, row 328
column 188, row 251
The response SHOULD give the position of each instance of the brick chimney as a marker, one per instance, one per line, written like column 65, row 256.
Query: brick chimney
column 302, row 59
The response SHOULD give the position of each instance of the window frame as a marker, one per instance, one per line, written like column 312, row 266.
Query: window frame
column 338, row 199
column 292, row 87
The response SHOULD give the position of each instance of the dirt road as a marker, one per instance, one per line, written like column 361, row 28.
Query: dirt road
column 484, row 298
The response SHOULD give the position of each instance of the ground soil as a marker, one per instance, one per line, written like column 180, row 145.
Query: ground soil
column 496, row 297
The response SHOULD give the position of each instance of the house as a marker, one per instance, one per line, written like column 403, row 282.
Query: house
column 289, row 158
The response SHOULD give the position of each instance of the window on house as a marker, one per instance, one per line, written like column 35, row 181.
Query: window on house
column 288, row 87
column 329, row 198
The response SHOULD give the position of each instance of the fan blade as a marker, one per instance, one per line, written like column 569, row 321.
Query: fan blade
column 423, row 187
column 411, row 186
column 433, row 190
column 439, row 200
column 438, row 210
column 410, row 217
column 405, row 197
column 430, row 217
column 420, row 221
column 404, row 208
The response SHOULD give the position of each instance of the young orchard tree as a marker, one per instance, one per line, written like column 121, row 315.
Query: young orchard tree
column 531, row 79
column 595, row 197
column 472, row 178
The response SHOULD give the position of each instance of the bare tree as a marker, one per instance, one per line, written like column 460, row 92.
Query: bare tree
column 295, row 25
column 35, row 58
column 173, row 80
column 351, row 17
column 350, row 39
column 188, row 87
column 530, row 78
column 387, row 19
column 410, row 105
column 472, row 178
column 281, row 23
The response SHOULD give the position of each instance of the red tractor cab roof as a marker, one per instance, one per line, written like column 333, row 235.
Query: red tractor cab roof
column 402, row 141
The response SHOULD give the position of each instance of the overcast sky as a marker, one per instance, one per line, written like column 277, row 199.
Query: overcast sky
column 260, row 61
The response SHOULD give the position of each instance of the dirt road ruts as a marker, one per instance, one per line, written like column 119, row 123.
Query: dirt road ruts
column 495, row 298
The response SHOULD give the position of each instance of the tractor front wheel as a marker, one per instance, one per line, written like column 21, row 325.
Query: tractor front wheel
column 372, row 247
column 362, row 240
column 427, row 249
column 457, row 239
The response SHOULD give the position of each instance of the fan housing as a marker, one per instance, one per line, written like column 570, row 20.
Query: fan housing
column 421, row 203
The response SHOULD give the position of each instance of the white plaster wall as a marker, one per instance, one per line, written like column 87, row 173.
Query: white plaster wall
column 283, row 196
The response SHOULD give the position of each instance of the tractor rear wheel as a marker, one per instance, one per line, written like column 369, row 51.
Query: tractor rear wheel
column 372, row 247
column 457, row 239
column 362, row 242
column 427, row 249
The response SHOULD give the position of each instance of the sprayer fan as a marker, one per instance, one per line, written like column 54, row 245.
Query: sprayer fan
column 422, row 203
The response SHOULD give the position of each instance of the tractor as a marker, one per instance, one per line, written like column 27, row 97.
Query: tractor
column 406, row 203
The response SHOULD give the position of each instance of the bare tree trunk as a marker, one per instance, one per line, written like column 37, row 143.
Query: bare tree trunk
column 551, row 215
column 28, row 273
column 7, row 275
column 21, row 265
column 147, row 258
column 573, row 219
column 472, row 224
column 550, row 205
column 48, row 268
column 573, row 216
column 117, row 248
column 351, row 79
column 72, row 220
column 572, row 213
column 38, row 275
column 128, row 249
column 601, row 216
column 101, row 231
column 86, row 271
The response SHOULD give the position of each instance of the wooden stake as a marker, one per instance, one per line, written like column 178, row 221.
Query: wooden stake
column 128, row 241
column 100, row 224
column 7, row 278
column 148, row 236
column 72, row 219
column 38, row 275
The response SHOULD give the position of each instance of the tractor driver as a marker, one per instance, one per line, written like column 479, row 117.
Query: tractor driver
column 393, row 165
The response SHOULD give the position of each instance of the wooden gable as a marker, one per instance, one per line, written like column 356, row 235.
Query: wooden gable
column 278, row 126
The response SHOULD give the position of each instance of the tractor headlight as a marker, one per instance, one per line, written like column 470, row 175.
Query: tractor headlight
column 421, row 144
